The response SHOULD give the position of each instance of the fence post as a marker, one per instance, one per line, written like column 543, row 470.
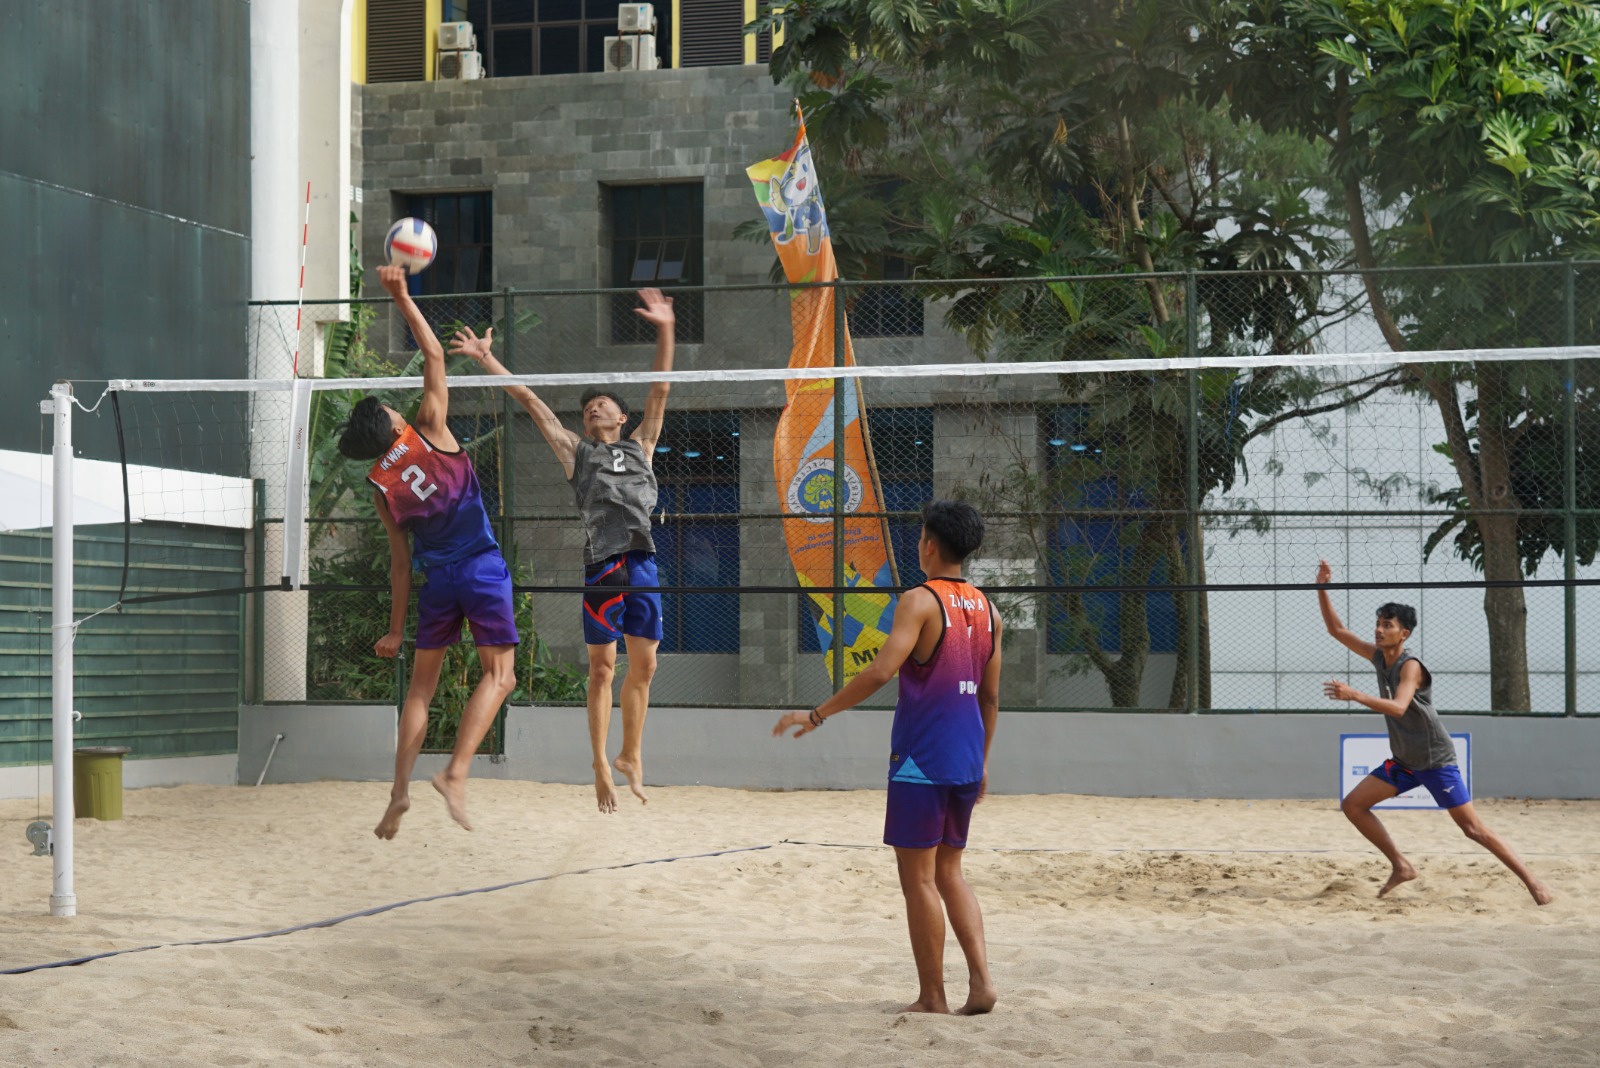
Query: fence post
column 508, row 496
column 1569, row 491
column 839, row 484
column 508, row 467
column 1191, row 332
column 258, row 600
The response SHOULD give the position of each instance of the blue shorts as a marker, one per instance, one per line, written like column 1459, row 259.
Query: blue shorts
column 1446, row 785
column 608, row 614
column 924, row 815
column 477, row 589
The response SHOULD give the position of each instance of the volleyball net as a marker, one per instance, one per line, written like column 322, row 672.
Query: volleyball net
column 1158, row 491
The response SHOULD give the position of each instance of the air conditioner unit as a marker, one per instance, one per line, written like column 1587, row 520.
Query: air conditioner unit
column 636, row 18
column 633, row 52
column 456, row 37
column 463, row 66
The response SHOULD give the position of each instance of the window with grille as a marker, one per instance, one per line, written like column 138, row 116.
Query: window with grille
column 657, row 240
column 886, row 311
column 697, row 540
column 397, row 41
column 712, row 33
column 464, row 263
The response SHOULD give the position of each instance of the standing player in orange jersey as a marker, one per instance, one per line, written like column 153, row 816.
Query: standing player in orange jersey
column 945, row 645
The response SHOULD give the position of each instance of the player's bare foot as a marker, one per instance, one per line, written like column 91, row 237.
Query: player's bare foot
column 633, row 771
column 1403, row 873
column 980, row 999
column 1541, row 893
column 390, row 824
column 454, row 792
column 933, row 1005
column 605, row 794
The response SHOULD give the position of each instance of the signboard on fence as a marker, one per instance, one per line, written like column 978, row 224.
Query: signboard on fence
column 1362, row 754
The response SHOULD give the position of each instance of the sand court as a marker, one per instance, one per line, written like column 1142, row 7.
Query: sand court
column 1120, row 932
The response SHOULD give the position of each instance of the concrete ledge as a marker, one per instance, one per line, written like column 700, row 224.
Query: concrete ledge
column 1111, row 754
column 220, row 770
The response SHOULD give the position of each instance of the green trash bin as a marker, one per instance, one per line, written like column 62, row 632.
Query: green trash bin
column 97, row 781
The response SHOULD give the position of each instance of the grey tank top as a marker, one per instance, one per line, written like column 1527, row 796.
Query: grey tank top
column 616, row 492
column 1417, row 739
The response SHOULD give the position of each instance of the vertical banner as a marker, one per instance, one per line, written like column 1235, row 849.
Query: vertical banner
column 804, row 449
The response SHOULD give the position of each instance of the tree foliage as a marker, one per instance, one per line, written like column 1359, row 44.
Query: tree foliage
column 1029, row 144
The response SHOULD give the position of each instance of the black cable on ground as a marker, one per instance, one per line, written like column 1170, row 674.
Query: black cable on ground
column 376, row 910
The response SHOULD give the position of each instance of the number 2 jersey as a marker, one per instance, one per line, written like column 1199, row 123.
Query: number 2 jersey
column 937, row 736
column 434, row 496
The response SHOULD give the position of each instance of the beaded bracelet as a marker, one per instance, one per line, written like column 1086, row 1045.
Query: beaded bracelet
column 816, row 720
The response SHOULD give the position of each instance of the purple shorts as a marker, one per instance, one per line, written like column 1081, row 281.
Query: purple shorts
column 608, row 613
column 477, row 589
column 1448, row 788
column 924, row 815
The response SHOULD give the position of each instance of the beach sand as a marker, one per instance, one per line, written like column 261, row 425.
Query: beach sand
column 1144, row 932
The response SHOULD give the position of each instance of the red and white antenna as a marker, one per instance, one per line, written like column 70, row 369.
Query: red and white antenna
column 305, row 230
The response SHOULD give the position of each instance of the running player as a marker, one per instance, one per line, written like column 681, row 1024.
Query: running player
column 615, row 485
column 945, row 644
column 1423, row 752
column 426, row 487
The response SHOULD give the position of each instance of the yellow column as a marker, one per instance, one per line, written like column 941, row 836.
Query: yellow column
column 358, row 42
column 431, row 18
column 677, row 35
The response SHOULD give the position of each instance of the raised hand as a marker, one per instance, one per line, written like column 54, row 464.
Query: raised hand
column 468, row 343
column 1324, row 572
column 657, row 308
column 393, row 279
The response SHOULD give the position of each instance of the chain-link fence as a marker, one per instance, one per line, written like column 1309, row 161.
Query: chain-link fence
column 1153, row 531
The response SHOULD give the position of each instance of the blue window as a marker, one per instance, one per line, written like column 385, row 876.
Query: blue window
column 1089, row 550
column 902, row 444
column 697, row 536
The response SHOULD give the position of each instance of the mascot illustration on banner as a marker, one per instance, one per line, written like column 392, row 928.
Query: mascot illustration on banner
column 797, row 198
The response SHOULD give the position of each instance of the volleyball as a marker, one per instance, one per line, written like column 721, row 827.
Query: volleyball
column 411, row 244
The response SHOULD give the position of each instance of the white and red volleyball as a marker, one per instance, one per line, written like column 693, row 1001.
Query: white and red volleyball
column 411, row 244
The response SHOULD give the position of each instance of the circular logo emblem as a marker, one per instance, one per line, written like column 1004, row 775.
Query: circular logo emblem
column 812, row 490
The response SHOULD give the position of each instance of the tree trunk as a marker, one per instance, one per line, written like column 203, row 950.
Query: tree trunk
column 1504, row 608
column 1486, row 481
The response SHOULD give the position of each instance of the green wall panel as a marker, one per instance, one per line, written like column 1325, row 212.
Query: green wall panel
column 161, row 678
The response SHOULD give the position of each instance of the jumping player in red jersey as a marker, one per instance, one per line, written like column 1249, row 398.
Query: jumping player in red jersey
column 945, row 644
column 426, row 488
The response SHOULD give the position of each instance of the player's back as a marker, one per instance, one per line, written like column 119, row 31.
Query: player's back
column 938, row 726
column 433, row 494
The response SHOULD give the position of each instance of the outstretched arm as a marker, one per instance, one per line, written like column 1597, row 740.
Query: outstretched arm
column 658, row 310
column 563, row 441
column 910, row 616
column 399, row 582
column 1330, row 619
column 1410, row 680
column 432, row 414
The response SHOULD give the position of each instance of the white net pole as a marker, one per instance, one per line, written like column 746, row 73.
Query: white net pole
column 63, row 898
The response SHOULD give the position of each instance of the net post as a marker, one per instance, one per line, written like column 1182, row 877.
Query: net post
column 258, row 615
column 294, row 496
column 837, row 293
column 1191, row 330
column 1569, row 491
column 63, row 897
